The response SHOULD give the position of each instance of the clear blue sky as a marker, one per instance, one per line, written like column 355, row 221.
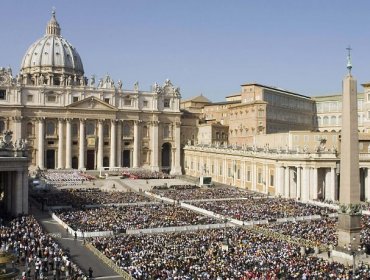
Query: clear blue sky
column 203, row 46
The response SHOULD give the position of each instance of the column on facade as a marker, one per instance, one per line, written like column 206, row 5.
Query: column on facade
column 314, row 181
column 60, row 143
column 81, row 154
column 287, row 182
column 119, row 144
column 112, row 156
column 243, row 179
column 177, row 165
column 8, row 183
column 17, row 128
column 299, row 182
column 154, row 140
column 41, row 143
column 224, row 173
column 68, row 144
column 135, row 160
column 99, row 163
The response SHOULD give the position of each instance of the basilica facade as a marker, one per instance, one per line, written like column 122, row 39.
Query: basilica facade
column 70, row 121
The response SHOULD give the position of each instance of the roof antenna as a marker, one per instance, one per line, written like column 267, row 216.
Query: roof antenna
column 349, row 62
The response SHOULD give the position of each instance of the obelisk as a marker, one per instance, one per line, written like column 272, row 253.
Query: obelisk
column 349, row 216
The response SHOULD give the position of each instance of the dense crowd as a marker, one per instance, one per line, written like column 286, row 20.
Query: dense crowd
column 262, row 208
column 232, row 253
column 144, row 174
column 91, row 196
column 205, row 193
column 119, row 219
column 321, row 231
column 37, row 255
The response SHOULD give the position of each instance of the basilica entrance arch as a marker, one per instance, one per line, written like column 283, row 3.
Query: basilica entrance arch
column 90, row 159
column 166, row 157
column 126, row 158
column 50, row 159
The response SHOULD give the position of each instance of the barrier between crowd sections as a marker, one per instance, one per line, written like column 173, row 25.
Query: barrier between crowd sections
column 177, row 229
column 109, row 262
column 80, row 233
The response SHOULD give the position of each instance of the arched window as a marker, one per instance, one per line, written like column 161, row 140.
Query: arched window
column 319, row 121
column 90, row 128
column 333, row 120
column 50, row 128
column 326, row 120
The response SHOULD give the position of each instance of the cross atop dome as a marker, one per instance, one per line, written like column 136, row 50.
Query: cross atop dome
column 53, row 27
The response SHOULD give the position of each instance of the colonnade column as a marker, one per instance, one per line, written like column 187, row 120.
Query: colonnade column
column 154, row 139
column 60, row 143
column 177, row 165
column 99, row 163
column 314, row 181
column 25, row 193
column 279, row 186
column 333, row 183
column 119, row 144
column 18, row 193
column 135, row 160
column 367, row 185
column 305, row 190
column 68, row 144
column 287, row 182
column 41, row 143
column 112, row 157
column 299, row 183
column 81, row 154
column 254, row 176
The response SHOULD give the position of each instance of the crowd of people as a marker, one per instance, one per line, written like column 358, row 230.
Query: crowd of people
column 262, row 208
column 64, row 177
column 38, row 256
column 89, row 196
column 138, row 173
column 118, row 219
column 320, row 231
column 229, row 253
column 204, row 193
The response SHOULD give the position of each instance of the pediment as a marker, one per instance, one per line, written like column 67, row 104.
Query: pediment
column 92, row 103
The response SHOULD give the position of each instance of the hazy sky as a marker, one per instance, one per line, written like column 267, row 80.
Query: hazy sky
column 203, row 46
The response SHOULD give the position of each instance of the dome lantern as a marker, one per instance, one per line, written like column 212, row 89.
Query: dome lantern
column 53, row 27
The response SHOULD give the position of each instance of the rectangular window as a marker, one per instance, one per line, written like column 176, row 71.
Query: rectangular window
column 238, row 174
column 30, row 98
column 166, row 103
column 248, row 174
column 75, row 99
column 145, row 103
column 259, row 176
column 306, row 138
column 220, row 173
column 51, row 98
column 127, row 102
column 229, row 172
column 2, row 94
column 106, row 100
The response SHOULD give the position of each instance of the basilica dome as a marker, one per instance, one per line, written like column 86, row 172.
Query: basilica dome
column 52, row 59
